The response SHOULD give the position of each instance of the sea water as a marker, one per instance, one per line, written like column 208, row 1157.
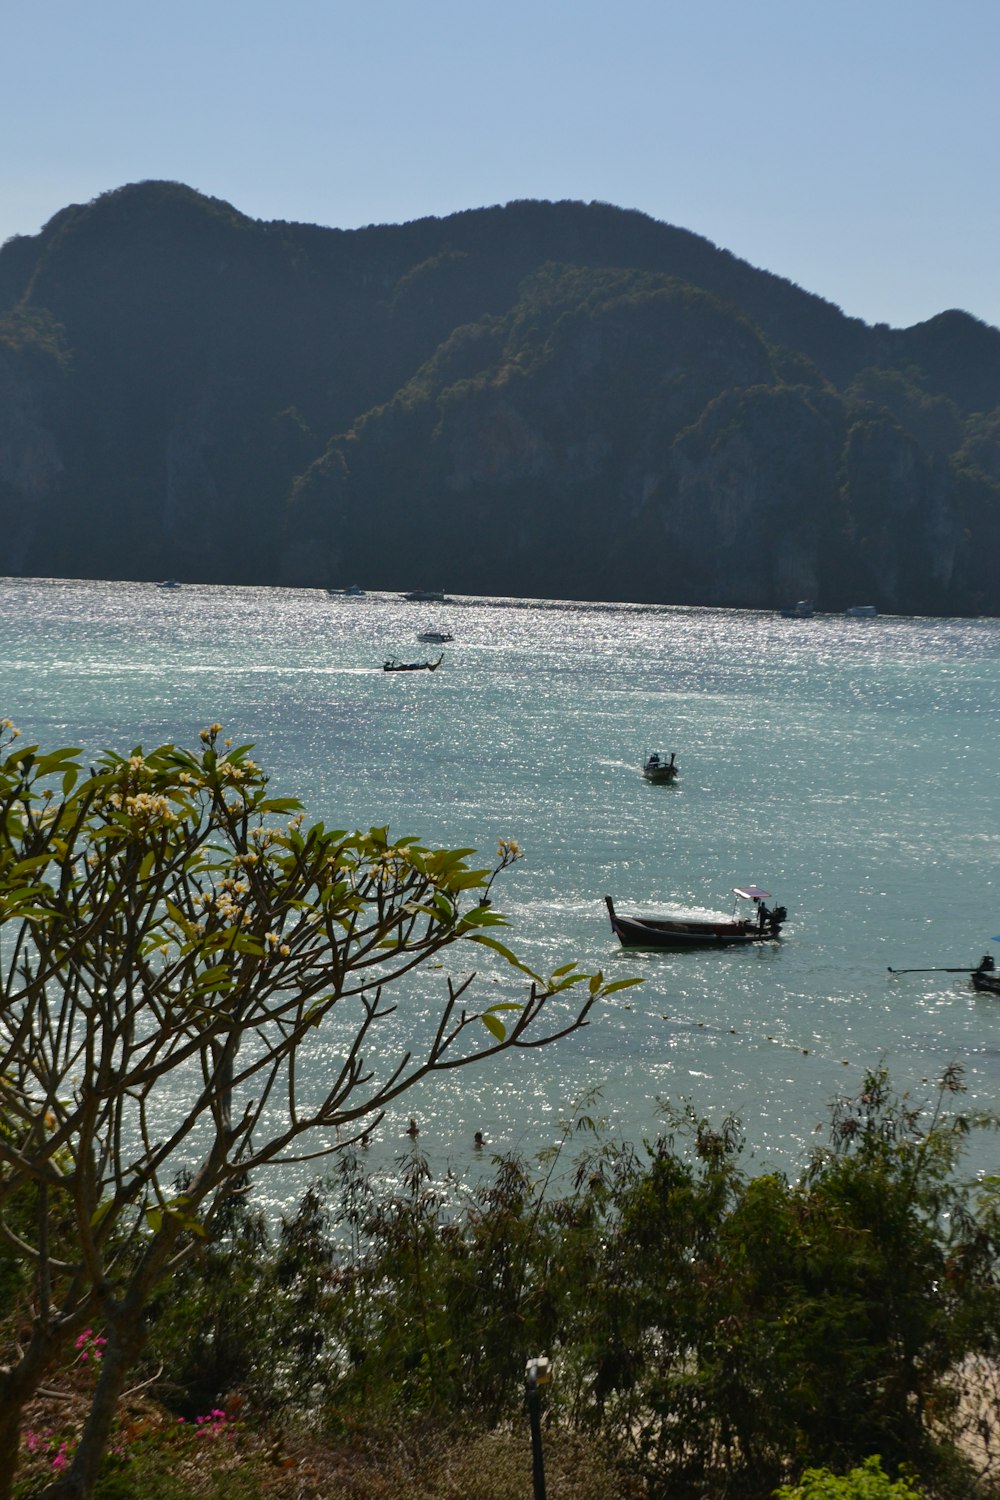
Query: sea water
column 847, row 766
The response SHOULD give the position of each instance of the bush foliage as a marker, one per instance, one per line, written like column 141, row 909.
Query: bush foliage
column 719, row 1333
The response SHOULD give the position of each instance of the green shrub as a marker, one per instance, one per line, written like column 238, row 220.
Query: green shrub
column 870, row 1482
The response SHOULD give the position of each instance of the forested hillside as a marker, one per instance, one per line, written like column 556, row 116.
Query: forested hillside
column 555, row 399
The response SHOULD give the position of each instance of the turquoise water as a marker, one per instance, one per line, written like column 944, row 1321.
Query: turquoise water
column 848, row 766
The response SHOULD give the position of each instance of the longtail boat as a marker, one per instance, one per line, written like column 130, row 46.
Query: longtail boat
column 680, row 931
column 984, row 977
column 392, row 665
column 657, row 768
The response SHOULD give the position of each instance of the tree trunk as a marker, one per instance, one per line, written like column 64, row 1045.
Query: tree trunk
column 126, row 1338
column 17, row 1386
column 127, row 1332
column 10, row 1440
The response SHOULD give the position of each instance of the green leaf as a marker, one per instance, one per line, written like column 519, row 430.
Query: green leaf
column 280, row 805
column 54, row 758
column 418, row 909
column 182, row 918
column 620, row 984
column 467, row 880
column 20, row 755
column 504, row 952
column 491, row 1023
column 482, row 916
column 100, row 1212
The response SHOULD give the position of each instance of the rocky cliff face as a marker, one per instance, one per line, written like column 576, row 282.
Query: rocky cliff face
column 550, row 399
column 649, row 445
column 31, row 466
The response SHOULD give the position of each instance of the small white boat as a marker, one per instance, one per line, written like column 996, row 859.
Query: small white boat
column 435, row 637
column 861, row 612
column 803, row 611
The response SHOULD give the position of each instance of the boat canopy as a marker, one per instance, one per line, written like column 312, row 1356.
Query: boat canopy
column 751, row 892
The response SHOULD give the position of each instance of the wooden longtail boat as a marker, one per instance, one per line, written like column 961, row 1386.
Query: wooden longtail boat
column 984, row 977
column 764, row 926
column 392, row 665
column 657, row 768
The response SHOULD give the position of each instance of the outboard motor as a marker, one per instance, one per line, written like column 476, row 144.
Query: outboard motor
column 775, row 918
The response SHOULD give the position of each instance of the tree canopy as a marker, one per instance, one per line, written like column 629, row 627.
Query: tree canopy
column 172, row 939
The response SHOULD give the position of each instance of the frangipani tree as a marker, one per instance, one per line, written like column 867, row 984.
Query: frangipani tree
column 171, row 939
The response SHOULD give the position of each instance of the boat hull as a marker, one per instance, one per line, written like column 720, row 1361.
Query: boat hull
column 985, row 982
column 660, row 776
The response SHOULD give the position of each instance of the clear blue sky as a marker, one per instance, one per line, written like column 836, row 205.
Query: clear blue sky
column 849, row 145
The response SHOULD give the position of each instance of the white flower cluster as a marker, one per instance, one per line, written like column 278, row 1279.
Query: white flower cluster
column 150, row 807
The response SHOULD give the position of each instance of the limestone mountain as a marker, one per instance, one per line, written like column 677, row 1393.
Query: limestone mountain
column 556, row 399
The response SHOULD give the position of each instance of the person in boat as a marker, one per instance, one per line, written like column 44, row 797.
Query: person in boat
column 986, row 964
column 770, row 918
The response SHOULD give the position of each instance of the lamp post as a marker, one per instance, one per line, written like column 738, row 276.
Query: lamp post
column 538, row 1373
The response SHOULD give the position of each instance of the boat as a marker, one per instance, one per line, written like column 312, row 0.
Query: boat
column 435, row 637
column 392, row 665
column 803, row 610
column 861, row 612
column 352, row 591
column 168, row 583
column 424, row 596
column 764, row 926
column 984, row 977
column 657, row 768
